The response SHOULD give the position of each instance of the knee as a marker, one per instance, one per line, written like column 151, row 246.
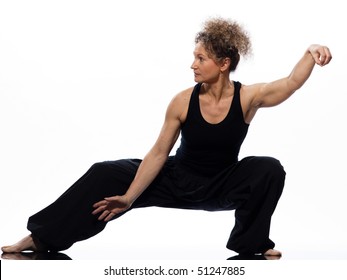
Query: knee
column 271, row 167
column 99, row 168
column 270, row 175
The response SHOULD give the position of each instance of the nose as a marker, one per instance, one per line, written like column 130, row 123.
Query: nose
column 193, row 66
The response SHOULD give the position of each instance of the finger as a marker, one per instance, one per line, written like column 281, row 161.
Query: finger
column 113, row 198
column 322, row 57
column 100, row 203
column 99, row 209
column 328, row 56
column 109, row 217
column 317, row 57
column 103, row 215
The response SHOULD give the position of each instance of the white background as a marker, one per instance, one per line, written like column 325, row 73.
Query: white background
column 87, row 81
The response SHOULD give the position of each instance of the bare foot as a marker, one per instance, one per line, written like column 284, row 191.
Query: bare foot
column 26, row 244
column 272, row 254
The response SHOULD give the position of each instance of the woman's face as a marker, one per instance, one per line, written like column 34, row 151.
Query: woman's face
column 205, row 68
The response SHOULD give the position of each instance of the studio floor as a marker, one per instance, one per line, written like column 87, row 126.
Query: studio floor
column 92, row 254
column 200, row 236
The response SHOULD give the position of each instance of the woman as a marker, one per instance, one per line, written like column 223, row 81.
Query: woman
column 212, row 118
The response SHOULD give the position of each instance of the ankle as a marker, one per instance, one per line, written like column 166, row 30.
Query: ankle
column 38, row 246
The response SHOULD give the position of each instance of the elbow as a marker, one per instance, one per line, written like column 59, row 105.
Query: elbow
column 157, row 155
column 294, row 84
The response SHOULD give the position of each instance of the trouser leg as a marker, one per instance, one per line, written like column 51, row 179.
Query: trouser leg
column 264, row 177
column 69, row 218
column 252, row 187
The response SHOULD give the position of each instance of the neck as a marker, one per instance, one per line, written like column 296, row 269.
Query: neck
column 220, row 89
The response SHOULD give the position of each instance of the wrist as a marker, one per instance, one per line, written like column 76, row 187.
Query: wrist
column 130, row 198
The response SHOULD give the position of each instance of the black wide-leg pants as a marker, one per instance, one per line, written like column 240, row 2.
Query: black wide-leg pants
column 251, row 187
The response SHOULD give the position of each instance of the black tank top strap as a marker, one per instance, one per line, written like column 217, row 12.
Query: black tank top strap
column 194, row 108
column 236, row 103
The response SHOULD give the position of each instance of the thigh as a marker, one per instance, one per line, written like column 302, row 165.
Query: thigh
column 161, row 192
column 234, row 185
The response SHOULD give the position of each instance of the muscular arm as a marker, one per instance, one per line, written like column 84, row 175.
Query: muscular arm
column 157, row 156
column 273, row 93
column 151, row 164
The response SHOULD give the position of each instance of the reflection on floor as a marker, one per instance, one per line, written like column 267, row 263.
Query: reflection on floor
column 254, row 257
column 62, row 256
column 35, row 256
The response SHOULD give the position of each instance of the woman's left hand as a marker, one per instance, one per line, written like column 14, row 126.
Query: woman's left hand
column 321, row 54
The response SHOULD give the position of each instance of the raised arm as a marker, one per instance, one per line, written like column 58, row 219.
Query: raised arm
column 150, row 166
column 274, row 93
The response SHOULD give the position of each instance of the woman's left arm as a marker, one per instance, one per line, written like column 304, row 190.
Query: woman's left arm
column 274, row 93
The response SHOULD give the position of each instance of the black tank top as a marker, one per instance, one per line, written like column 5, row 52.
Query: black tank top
column 208, row 148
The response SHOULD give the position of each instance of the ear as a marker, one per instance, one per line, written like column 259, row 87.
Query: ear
column 225, row 64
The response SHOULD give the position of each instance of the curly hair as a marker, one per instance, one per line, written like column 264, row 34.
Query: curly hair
column 224, row 38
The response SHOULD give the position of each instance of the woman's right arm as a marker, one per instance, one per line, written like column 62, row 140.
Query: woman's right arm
column 152, row 162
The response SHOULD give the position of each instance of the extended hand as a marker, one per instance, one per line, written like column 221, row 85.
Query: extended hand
column 320, row 54
column 111, row 206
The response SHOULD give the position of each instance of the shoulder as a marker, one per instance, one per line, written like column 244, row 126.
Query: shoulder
column 179, row 104
column 249, row 92
column 183, row 96
column 248, row 101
